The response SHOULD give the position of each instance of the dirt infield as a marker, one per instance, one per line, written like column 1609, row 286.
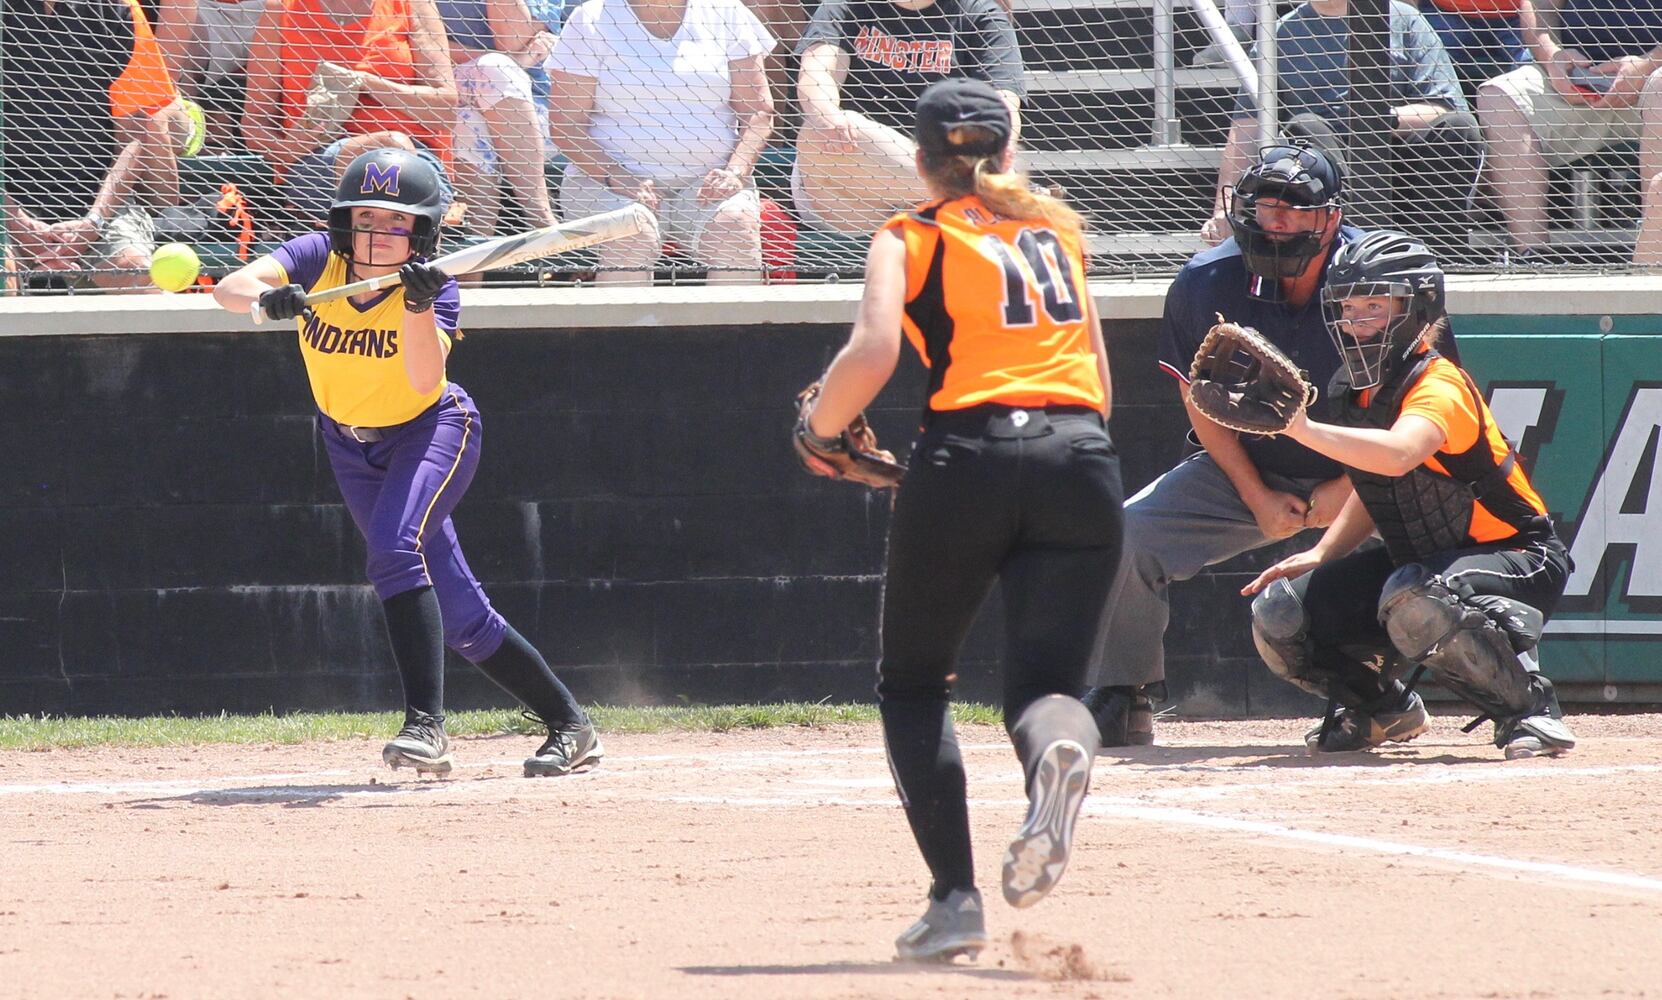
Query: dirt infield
column 1224, row 863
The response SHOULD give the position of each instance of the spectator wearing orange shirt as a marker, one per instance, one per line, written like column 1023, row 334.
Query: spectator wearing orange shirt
column 331, row 79
column 76, row 199
column 149, row 111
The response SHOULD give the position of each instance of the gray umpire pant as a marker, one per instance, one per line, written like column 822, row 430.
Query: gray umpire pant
column 1188, row 519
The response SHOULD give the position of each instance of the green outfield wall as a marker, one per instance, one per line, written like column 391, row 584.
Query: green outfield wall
column 1581, row 396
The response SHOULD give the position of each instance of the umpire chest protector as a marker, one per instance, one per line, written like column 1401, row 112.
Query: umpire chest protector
column 1426, row 512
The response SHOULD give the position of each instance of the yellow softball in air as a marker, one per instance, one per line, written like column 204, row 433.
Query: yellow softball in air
column 174, row 267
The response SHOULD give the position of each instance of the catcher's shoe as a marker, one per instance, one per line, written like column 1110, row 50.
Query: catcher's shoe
column 1534, row 736
column 1038, row 856
column 567, row 749
column 1354, row 729
column 421, row 744
column 956, row 925
column 1124, row 715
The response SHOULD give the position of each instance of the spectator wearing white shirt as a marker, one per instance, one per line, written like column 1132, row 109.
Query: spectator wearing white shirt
column 492, row 43
column 665, row 103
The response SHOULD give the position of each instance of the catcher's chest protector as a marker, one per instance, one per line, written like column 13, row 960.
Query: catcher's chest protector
column 1426, row 512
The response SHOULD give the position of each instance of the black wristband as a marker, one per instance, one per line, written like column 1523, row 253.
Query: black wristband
column 830, row 445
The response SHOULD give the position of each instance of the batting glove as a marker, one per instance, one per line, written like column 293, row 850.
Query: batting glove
column 283, row 302
column 422, row 284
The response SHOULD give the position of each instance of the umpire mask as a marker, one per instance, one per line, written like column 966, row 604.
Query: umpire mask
column 1391, row 266
column 1300, row 178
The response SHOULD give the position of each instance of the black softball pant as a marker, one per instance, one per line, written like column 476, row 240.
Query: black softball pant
column 1031, row 499
column 1342, row 597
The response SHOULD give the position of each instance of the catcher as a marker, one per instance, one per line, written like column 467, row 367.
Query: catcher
column 1471, row 565
column 1014, row 479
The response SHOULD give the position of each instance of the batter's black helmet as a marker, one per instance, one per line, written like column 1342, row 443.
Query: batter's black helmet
column 1383, row 263
column 1302, row 176
column 396, row 179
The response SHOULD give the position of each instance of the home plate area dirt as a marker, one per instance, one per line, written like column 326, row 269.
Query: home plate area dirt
column 1225, row 862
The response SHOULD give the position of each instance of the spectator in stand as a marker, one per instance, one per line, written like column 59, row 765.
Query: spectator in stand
column 205, row 43
column 76, row 199
column 331, row 79
column 665, row 103
column 551, row 14
column 1594, row 82
column 1481, row 36
column 864, row 63
column 1438, row 147
column 148, row 108
column 498, row 134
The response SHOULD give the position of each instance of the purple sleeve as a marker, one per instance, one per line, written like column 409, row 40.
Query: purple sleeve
column 303, row 258
column 447, row 308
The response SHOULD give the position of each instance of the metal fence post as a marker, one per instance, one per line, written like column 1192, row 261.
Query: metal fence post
column 1269, row 104
column 1167, row 130
column 1370, row 116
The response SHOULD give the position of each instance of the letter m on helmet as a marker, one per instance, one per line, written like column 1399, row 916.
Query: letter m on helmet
column 380, row 177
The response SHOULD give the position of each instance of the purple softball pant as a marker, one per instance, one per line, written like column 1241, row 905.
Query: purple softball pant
column 401, row 491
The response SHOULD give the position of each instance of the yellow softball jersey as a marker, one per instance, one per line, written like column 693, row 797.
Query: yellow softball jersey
column 353, row 352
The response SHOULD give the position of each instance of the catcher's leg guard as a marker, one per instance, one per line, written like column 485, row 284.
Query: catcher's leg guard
column 1281, row 631
column 1455, row 638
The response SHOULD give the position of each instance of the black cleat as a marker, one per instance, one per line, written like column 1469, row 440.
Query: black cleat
column 421, row 744
column 1354, row 729
column 1124, row 714
column 568, row 748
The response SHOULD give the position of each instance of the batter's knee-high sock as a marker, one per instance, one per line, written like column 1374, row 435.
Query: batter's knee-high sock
column 1048, row 719
column 520, row 670
column 929, row 774
column 417, row 632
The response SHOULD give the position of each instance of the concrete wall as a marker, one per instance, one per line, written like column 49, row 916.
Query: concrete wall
column 172, row 539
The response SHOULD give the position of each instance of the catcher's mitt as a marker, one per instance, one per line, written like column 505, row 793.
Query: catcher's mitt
column 1243, row 382
column 852, row 455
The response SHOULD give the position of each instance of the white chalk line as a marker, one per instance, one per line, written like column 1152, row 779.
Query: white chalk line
column 1122, row 809
column 1140, row 805
column 618, row 770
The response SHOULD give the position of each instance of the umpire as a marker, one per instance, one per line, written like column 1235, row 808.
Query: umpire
column 1237, row 492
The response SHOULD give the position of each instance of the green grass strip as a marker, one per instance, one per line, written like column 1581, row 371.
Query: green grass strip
column 63, row 732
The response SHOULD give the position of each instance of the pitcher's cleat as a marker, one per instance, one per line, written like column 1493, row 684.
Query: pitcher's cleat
column 1039, row 854
column 956, row 925
column 421, row 744
column 567, row 749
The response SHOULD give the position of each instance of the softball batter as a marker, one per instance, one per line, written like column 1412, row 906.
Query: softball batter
column 1014, row 480
column 404, row 444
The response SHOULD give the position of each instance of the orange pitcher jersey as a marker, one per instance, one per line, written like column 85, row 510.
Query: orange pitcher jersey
column 996, row 308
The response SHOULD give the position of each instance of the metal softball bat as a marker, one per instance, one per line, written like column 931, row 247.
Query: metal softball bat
column 505, row 251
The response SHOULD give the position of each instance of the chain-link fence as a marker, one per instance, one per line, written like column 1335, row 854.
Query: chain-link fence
column 770, row 137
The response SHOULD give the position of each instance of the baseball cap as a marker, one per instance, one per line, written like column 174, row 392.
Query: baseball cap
column 957, row 101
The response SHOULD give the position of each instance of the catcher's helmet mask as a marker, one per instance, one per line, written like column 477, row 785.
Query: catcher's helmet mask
column 393, row 179
column 1383, row 263
column 1295, row 176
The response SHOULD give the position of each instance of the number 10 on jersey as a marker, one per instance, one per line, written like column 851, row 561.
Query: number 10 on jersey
column 1041, row 268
